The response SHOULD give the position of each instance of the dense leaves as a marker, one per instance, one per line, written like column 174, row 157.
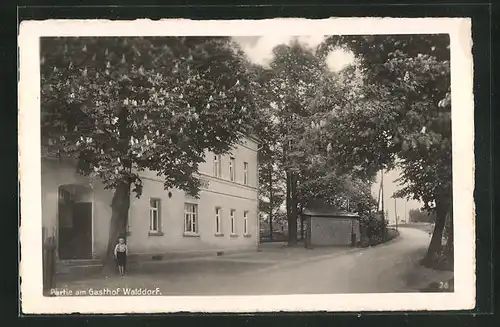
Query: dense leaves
column 291, row 88
column 122, row 105
column 405, row 114
column 390, row 108
column 303, row 97
column 418, row 216
column 143, row 103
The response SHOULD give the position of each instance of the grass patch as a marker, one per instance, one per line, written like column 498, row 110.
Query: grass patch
column 440, row 261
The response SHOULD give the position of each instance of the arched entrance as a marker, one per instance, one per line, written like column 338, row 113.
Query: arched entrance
column 75, row 222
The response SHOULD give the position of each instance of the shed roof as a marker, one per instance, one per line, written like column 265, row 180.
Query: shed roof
column 323, row 209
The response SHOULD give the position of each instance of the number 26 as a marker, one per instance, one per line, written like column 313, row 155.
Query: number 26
column 443, row 285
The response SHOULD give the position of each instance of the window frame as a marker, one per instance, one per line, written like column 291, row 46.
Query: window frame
column 157, row 209
column 193, row 223
column 245, row 173
column 232, row 169
column 245, row 224
column 217, row 171
column 232, row 222
column 218, row 221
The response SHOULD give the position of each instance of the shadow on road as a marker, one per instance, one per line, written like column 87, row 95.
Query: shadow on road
column 422, row 279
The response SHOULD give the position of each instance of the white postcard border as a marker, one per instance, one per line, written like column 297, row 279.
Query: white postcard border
column 459, row 30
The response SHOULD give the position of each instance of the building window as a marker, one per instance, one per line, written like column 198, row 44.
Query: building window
column 218, row 225
column 245, row 173
column 217, row 165
column 191, row 218
column 154, row 215
column 232, row 221
column 245, row 222
column 232, row 175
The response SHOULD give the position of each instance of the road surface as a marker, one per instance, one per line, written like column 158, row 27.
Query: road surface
column 383, row 268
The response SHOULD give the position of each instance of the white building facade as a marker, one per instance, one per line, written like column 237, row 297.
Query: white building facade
column 76, row 209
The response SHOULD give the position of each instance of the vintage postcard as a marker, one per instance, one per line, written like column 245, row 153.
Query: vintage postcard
column 246, row 166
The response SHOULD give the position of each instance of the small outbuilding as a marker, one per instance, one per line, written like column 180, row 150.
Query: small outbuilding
column 325, row 225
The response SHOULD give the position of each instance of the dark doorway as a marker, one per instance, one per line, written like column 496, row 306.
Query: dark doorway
column 75, row 223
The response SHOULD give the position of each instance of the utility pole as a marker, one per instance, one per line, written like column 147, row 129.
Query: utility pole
column 395, row 213
column 406, row 221
column 382, row 190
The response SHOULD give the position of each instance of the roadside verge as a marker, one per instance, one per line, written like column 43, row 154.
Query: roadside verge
column 422, row 279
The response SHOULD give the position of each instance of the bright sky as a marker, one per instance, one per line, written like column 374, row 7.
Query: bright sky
column 259, row 49
column 391, row 186
column 339, row 59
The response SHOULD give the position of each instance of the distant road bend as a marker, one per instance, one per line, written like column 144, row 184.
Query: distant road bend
column 378, row 269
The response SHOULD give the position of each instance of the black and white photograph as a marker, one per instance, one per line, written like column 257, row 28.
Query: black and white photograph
column 328, row 165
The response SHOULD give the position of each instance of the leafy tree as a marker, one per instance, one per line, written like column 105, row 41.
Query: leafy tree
column 271, row 188
column 122, row 105
column 404, row 115
column 303, row 96
column 322, row 172
column 321, row 177
column 417, row 215
column 373, row 229
column 289, row 86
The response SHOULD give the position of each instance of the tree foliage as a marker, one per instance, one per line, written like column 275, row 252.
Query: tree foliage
column 303, row 98
column 143, row 103
column 420, row 216
column 285, row 89
column 390, row 109
column 121, row 105
column 404, row 112
column 404, row 115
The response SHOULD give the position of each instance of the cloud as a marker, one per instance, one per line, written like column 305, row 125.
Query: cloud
column 312, row 41
column 339, row 59
column 259, row 49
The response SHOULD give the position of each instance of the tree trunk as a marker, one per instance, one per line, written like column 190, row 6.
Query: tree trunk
column 271, row 202
column 449, row 249
column 119, row 220
column 435, row 244
column 288, row 200
column 292, row 218
column 301, row 228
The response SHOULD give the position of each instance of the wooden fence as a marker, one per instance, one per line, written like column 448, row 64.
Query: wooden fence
column 278, row 236
column 49, row 261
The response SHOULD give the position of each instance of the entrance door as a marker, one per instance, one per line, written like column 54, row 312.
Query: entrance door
column 75, row 231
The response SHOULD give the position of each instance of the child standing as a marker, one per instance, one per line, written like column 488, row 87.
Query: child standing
column 121, row 252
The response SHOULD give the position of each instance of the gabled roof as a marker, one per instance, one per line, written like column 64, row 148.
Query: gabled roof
column 318, row 208
column 330, row 214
